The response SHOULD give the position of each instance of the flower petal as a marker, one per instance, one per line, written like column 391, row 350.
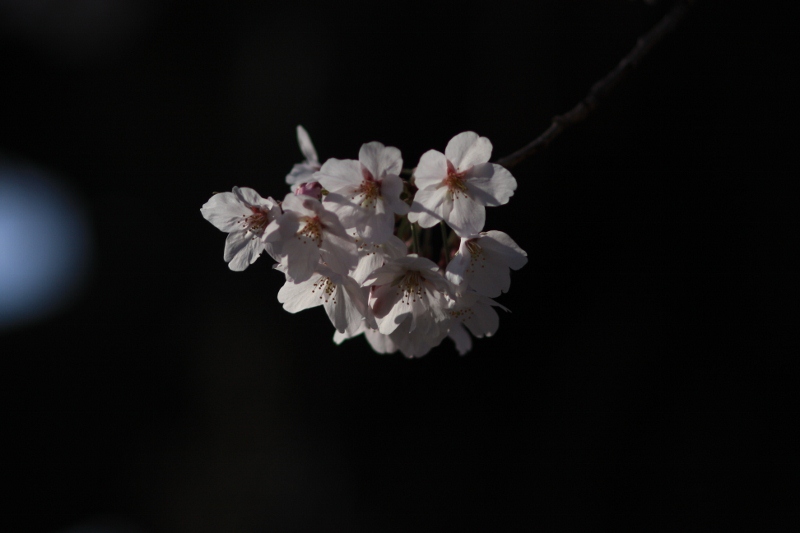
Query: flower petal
column 345, row 311
column 296, row 297
column 457, row 267
column 420, row 342
column 301, row 173
column 241, row 250
column 377, row 227
column 340, row 175
column 340, row 254
column 391, row 189
column 468, row 149
column 306, row 145
column 296, row 204
column 491, row 184
column 388, row 309
column 489, row 276
column 380, row 160
column 373, row 256
column 299, row 257
column 461, row 338
column 339, row 338
column 467, row 217
column 225, row 211
column 500, row 244
column 430, row 206
column 483, row 321
column 431, row 170
column 344, row 208
column 380, row 343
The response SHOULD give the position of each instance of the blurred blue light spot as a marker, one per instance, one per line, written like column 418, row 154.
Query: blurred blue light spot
column 44, row 244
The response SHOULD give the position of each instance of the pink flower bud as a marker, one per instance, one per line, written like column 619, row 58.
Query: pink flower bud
column 312, row 188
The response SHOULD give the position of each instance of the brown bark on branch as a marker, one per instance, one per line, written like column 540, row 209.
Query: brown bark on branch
column 602, row 88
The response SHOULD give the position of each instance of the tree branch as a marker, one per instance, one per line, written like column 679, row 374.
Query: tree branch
column 602, row 88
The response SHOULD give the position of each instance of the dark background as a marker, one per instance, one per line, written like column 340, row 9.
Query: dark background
column 643, row 378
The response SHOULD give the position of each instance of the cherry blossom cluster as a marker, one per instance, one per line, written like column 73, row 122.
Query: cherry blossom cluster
column 355, row 237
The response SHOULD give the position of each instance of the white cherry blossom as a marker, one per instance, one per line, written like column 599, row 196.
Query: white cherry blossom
column 307, row 233
column 344, row 300
column 365, row 194
column 483, row 262
column 245, row 216
column 477, row 313
column 408, row 287
column 303, row 172
column 455, row 186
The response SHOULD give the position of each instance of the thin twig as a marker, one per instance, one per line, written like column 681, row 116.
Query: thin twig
column 602, row 88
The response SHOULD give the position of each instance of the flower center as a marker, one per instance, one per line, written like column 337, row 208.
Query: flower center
column 410, row 287
column 462, row 314
column 456, row 182
column 474, row 248
column 369, row 190
column 368, row 248
column 326, row 289
column 311, row 230
column 476, row 254
column 256, row 222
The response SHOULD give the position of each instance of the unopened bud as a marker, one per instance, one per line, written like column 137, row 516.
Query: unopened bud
column 312, row 188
